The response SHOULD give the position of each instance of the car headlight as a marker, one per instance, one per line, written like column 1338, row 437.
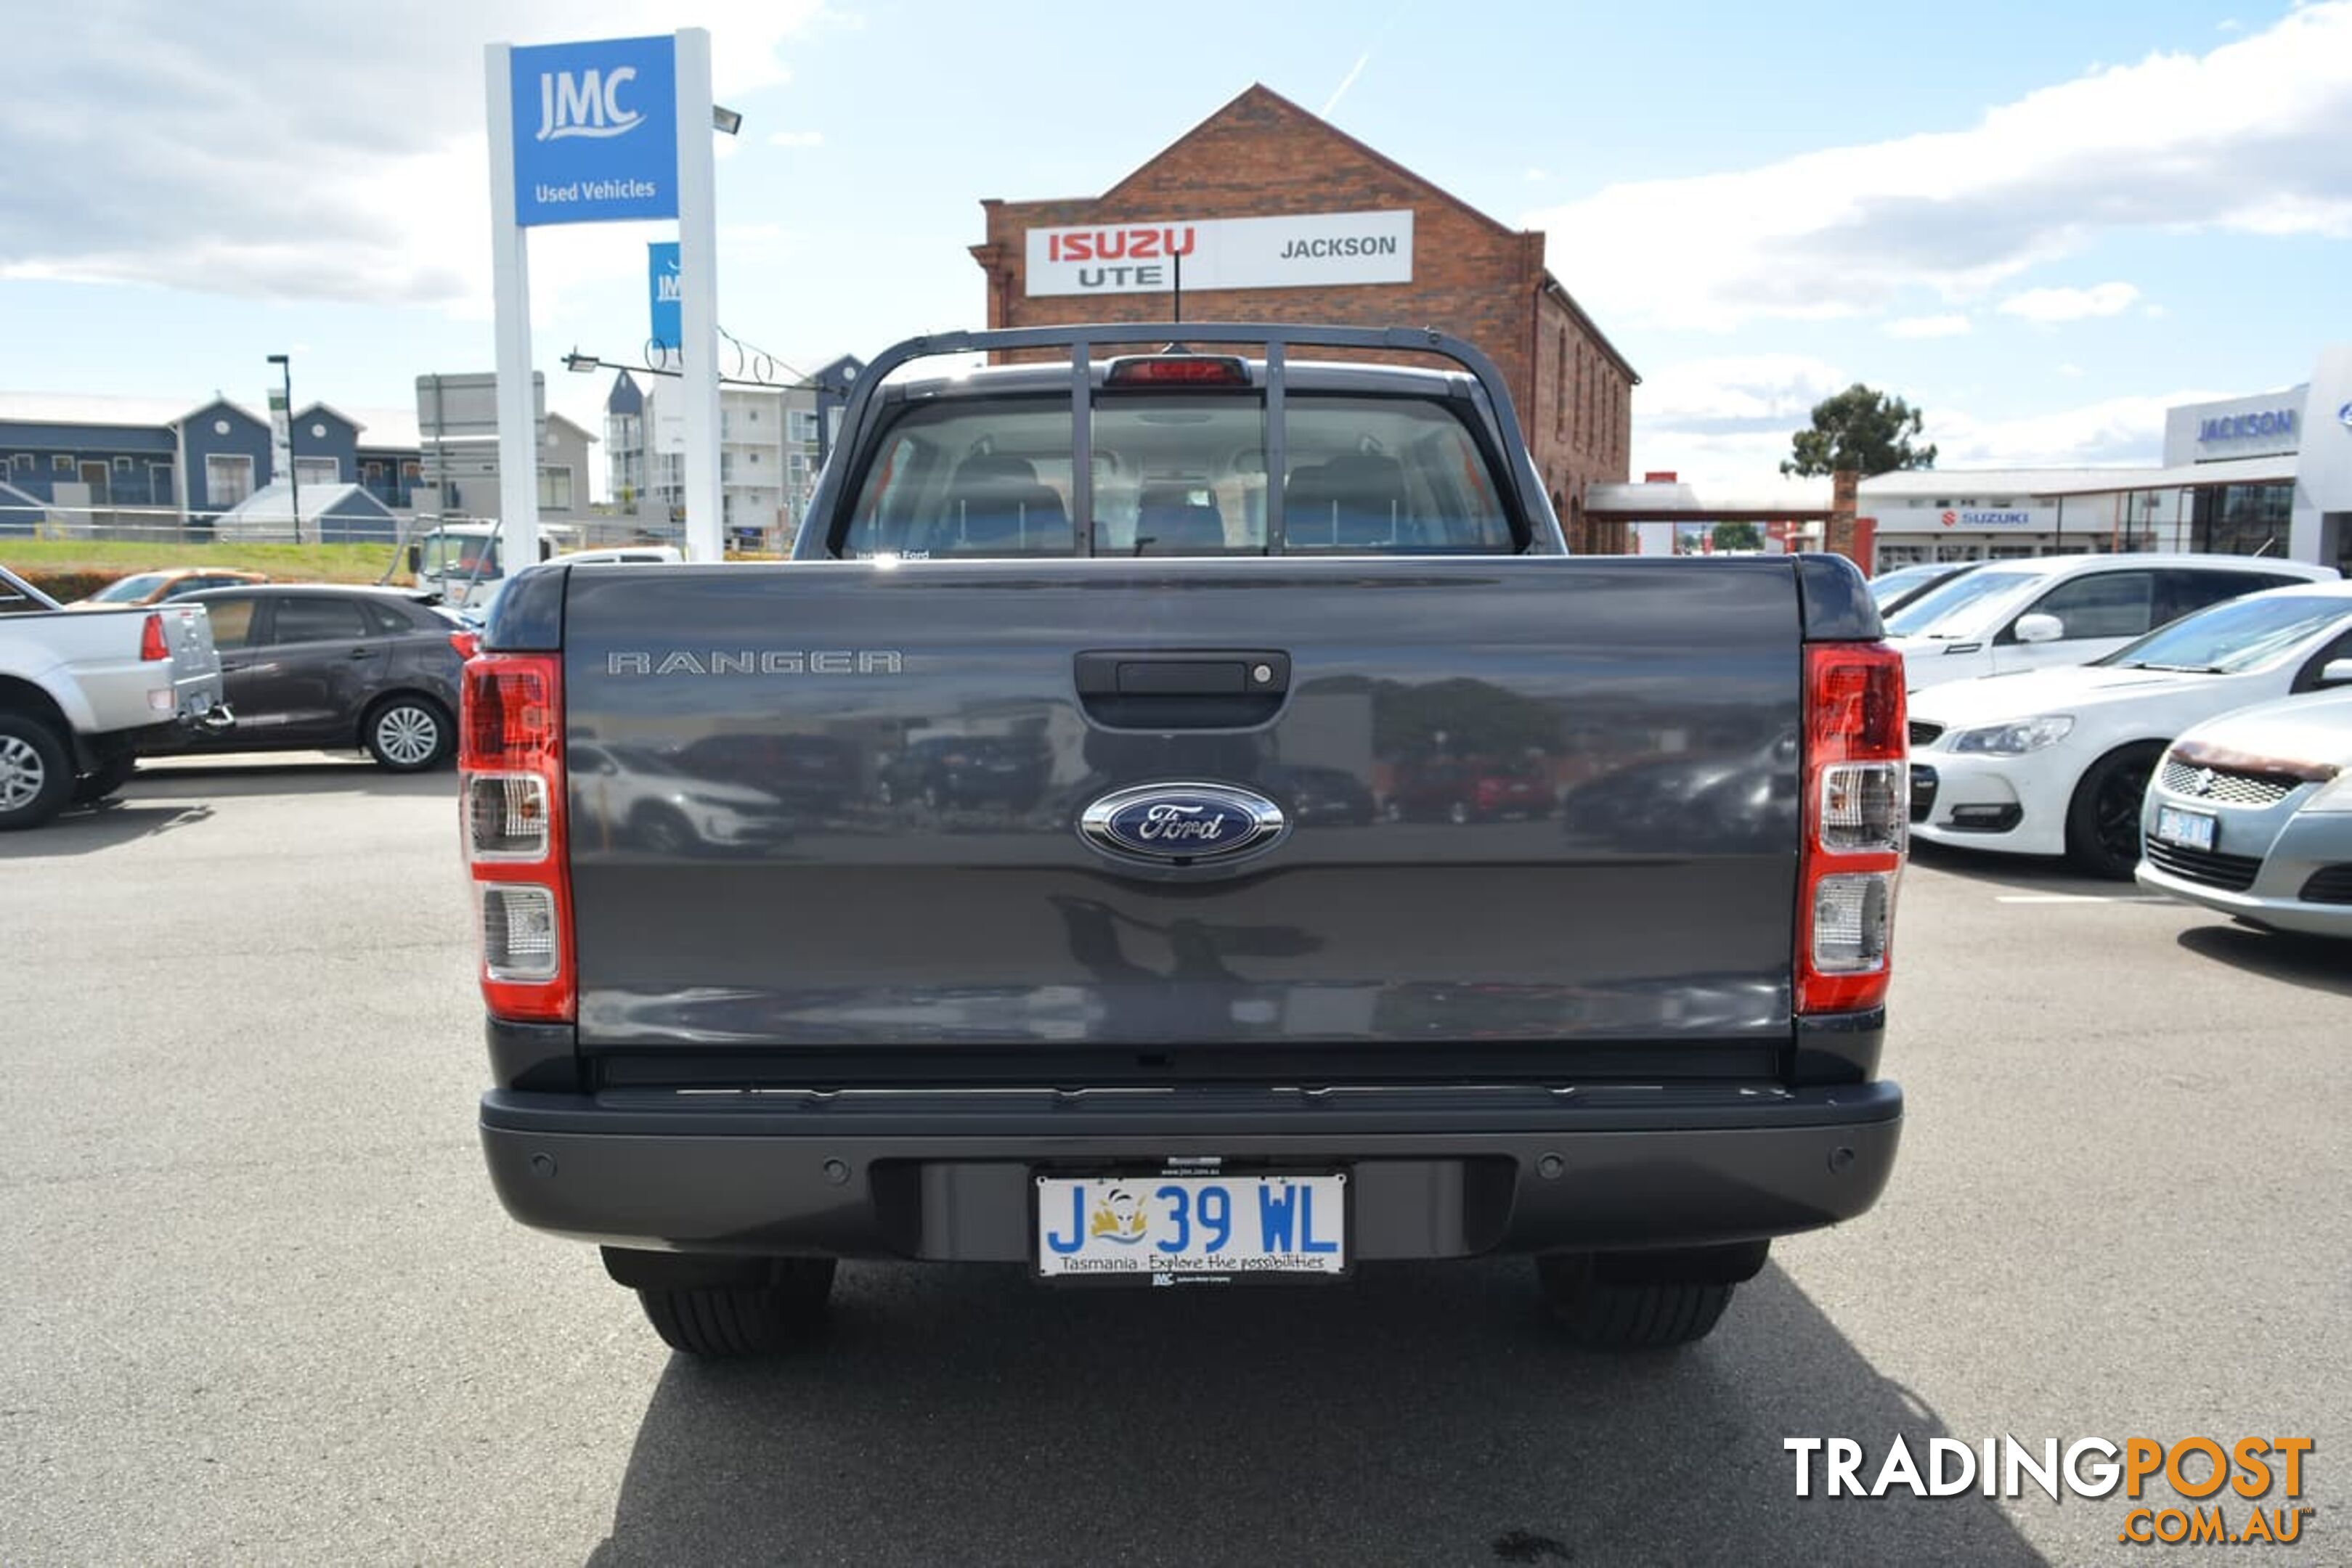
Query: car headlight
column 2336, row 795
column 2016, row 740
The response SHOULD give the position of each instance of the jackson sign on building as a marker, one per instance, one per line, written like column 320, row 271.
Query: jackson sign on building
column 1311, row 250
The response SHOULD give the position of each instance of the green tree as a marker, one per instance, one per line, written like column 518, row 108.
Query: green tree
column 1738, row 537
column 1863, row 429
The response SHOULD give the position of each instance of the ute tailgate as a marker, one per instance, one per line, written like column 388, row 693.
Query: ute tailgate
column 1537, row 810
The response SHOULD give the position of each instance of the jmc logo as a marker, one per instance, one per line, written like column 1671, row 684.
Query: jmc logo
column 585, row 103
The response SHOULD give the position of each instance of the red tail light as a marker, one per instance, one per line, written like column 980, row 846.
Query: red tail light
column 1857, row 811
column 1177, row 370
column 151, row 643
column 510, row 780
column 467, row 643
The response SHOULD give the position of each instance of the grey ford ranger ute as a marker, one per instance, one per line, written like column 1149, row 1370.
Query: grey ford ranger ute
column 1333, row 872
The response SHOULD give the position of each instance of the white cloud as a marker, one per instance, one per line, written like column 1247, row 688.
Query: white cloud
column 2111, row 429
column 296, row 175
column 1734, row 389
column 2070, row 371
column 1948, row 326
column 2052, row 305
column 1728, row 422
column 1742, row 461
column 796, row 138
column 2255, row 136
column 1537, row 177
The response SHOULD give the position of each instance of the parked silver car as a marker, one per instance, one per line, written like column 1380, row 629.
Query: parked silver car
column 2250, row 814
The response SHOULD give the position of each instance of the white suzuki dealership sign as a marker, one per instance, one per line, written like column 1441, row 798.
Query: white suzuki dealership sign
column 1311, row 250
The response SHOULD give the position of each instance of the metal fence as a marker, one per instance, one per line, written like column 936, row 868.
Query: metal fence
column 163, row 526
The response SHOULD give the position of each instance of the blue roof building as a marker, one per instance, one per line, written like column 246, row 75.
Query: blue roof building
column 140, row 468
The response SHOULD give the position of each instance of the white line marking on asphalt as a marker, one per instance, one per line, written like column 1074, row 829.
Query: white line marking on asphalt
column 2075, row 898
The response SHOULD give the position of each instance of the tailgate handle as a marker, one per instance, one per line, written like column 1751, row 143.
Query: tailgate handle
column 1205, row 688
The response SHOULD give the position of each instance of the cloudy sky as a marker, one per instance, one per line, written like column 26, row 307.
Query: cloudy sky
column 2041, row 223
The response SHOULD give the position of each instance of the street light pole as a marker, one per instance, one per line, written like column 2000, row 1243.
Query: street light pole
column 285, row 363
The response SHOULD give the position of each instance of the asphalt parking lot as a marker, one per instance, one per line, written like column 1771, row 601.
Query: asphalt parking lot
column 261, row 1306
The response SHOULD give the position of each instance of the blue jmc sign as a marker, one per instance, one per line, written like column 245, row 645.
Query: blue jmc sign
column 662, row 290
column 595, row 131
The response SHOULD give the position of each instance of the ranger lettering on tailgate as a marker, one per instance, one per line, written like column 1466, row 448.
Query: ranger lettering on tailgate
column 756, row 662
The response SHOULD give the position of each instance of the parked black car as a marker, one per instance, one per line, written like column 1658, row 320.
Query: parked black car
column 963, row 771
column 308, row 665
column 1317, row 797
column 811, row 773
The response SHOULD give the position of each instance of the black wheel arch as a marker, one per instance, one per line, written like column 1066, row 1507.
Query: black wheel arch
column 2153, row 747
column 18, row 696
column 2081, row 800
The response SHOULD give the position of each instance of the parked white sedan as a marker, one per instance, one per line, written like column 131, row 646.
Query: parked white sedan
column 2250, row 814
column 2056, row 761
column 2014, row 615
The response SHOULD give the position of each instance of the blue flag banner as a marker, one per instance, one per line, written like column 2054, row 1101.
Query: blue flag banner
column 662, row 291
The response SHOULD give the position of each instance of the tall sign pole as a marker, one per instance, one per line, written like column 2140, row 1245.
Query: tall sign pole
column 698, row 253
column 510, row 291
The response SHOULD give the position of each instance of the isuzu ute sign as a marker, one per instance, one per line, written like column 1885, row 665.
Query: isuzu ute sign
column 1176, row 823
column 1309, row 250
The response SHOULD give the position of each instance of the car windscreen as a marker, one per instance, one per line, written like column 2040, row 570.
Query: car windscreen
column 1178, row 475
column 460, row 556
column 1953, row 608
column 1887, row 584
column 131, row 590
column 2237, row 635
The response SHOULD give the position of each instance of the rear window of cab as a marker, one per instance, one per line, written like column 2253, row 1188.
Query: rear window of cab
column 1179, row 473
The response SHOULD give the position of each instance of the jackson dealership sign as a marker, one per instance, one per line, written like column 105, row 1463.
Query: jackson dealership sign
column 1312, row 250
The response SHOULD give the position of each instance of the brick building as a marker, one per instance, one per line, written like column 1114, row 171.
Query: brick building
column 1342, row 235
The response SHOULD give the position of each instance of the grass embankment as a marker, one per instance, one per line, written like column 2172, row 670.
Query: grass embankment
column 37, row 559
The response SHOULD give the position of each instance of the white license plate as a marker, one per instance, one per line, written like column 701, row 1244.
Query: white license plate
column 1150, row 1225
column 2190, row 830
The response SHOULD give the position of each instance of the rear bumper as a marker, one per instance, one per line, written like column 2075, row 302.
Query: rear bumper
column 136, row 694
column 1438, row 1172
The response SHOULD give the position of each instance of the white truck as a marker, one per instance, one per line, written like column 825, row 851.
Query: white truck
column 466, row 562
column 79, row 693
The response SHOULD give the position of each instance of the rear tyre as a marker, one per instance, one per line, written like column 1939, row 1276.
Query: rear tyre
column 2103, row 819
column 92, row 788
column 37, row 776
column 407, row 734
column 1601, row 1314
column 731, row 1321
